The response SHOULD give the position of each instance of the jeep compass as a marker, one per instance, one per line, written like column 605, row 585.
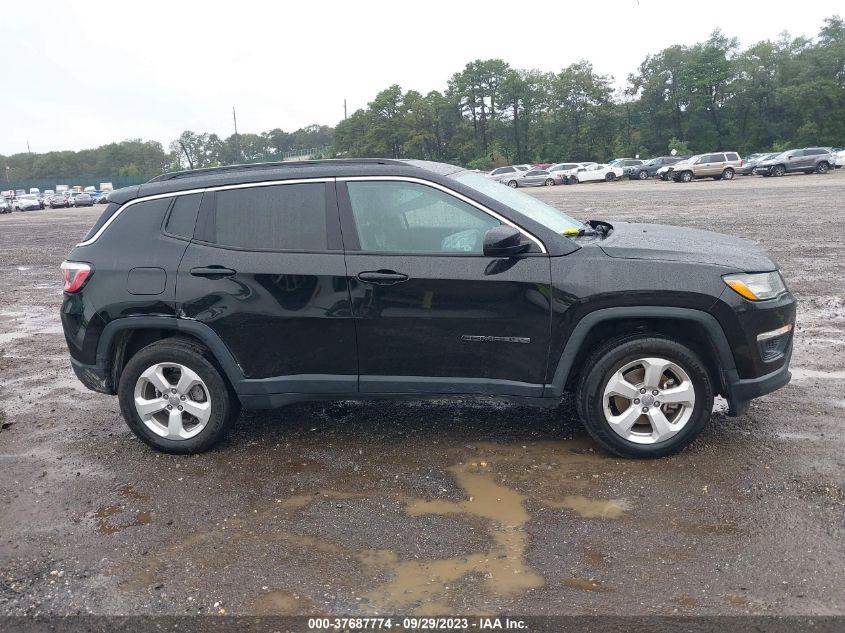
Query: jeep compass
column 204, row 291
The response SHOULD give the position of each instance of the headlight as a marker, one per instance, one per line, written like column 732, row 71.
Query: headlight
column 756, row 286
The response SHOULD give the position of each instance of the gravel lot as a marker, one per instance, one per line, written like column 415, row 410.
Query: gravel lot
column 469, row 508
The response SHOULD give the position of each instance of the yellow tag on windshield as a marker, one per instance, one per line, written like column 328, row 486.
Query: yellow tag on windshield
column 570, row 232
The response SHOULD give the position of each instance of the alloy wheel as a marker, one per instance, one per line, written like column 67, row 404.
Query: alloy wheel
column 172, row 401
column 649, row 400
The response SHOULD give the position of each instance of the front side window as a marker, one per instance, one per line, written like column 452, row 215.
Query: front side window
column 405, row 217
column 275, row 217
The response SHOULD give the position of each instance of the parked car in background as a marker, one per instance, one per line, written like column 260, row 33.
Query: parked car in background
column 718, row 166
column 501, row 174
column 565, row 171
column 5, row 205
column 808, row 160
column 83, row 199
column 596, row 173
column 649, row 168
column 59, row 199
column 749, row 165
column 839, row 152
column 534, row 178
column 29, row 202
column 629, row 165
column 102, row 197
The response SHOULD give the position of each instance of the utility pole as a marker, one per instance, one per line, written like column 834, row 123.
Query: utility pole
column 344, row 109
column 237, row 138
column 28, row 151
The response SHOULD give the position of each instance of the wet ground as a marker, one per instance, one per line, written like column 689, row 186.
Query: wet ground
column 471, row 508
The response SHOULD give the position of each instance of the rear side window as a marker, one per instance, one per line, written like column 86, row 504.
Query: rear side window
column 732, row 156
column 276, row 217
column 183, row 216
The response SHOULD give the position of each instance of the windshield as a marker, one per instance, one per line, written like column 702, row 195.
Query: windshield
column 528, row 206
column 29, row 196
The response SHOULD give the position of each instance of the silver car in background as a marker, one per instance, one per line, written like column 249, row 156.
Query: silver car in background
column 534, row 178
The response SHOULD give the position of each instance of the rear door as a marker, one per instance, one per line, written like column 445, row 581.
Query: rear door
column 433, row 314
column 265, row 271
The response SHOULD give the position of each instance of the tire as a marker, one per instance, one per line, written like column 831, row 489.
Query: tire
column 728, row 174
column 642, row 175
column 549, row 182
column 664, row 177
column 778, row 170
column 573, row 180
column 823, row 167
column 513, row 184
column 685, row 176
column 719, row 177
column 681, row 423
column 178, row 357
column 610, row 177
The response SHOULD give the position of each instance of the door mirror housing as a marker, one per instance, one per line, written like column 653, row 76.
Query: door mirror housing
column 504, row 241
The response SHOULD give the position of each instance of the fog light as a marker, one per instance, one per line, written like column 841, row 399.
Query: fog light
column 765, row 336
column 773, row 344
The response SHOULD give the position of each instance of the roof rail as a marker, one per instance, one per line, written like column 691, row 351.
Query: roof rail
column 190, row 173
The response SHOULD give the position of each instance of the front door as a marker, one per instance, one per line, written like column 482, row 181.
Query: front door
column 266, row 273
column 432, row 313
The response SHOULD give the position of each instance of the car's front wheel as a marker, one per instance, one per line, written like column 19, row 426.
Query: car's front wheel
column 644, row 396
column 610, row 177
column 686, row 176
column 175, row 399
column 822, row 167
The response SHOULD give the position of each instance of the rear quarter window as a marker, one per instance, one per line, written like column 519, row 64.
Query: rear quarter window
column 183, row 216
column 111, row 207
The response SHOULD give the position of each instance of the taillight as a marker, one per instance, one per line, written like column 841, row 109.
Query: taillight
column 75, row 275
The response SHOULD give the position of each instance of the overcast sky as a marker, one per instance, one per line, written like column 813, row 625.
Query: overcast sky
column 79, row 74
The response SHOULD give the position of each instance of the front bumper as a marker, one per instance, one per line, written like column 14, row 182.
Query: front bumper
column 742, row 390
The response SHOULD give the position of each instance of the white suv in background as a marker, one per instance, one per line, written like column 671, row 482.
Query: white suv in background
column 502, row 174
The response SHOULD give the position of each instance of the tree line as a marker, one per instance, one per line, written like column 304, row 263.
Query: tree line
column 140, row 159
column 707, row 96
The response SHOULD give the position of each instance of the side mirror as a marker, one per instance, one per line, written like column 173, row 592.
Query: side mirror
column 504, row 241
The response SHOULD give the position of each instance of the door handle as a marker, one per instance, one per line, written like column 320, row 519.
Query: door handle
column 381, row 277
column 212, row 272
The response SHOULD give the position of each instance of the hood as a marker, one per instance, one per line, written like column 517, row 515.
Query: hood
column 674, row 243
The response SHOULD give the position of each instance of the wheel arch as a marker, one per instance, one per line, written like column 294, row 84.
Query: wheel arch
column 124, row 337
column 697, row 329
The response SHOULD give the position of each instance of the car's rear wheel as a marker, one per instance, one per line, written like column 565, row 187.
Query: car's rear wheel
column 778, row 170
column 728, row 174
column 512, row 184
column 643, row 175
column 822, row 167
column 175, row 399
column 644, row 396
column 549, row 182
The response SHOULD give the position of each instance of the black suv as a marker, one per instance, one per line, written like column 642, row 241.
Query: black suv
column 261, row 285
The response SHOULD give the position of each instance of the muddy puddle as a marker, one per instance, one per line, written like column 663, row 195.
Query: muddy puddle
column 491, row 498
